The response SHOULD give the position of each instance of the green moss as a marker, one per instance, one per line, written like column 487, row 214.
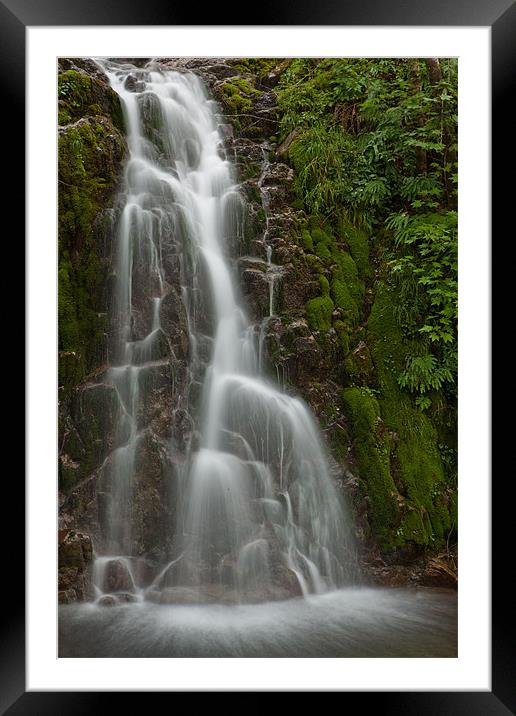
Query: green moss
column 313, row 261
column 74, row 88
column 260, row 66
column 320, row 236
column 319, row 312
column 249, row 169
column 347, row 289
column 343, row 334
column 307, row 241
column 346, row 272
column 372, row 446
column 418, row 462
column 254, row 194
column 90, row 153
column 237, row 96
column 358, row 366
column 80, row 95
column 322, row 250
column 359, row 246
column 261, row 216
column 63, row 114
column 413, row 528
column 343, row 299
column 325, row 286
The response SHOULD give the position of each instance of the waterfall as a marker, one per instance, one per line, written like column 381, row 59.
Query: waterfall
column 258, row 515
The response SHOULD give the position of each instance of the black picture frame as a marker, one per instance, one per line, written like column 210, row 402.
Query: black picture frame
column 500, row 15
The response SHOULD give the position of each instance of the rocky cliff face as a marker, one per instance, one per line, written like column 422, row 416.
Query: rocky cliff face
column 331, row 336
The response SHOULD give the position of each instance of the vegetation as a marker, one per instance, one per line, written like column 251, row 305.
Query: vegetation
column 374, row 149
column 376, row 152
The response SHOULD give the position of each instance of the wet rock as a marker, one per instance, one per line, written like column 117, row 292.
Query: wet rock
column 75, row 555
column 226, row 131
column 117, row 577
column 153, row 595
column 127, row 598
column 439, row 572
column 68, row 577
column 278, row 173
column 255, row 286
column 107, row 600
column 143, row 571
column 67, row 596
column 132, row 84
column 247, row 152
column 179, row 595
column 152, row 505
column 95, row 411
column 174, row 324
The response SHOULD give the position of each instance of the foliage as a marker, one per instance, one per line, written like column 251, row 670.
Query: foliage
column 363, row 124
column 319, row 156
column 426, row 272
column 376, row 150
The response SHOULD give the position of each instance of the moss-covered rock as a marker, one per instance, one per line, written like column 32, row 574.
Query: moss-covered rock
column 91, row 151
column 237, row 95
column 416, row 456
column 319, row 312
column 90, row 154
column 81, row 94
column 358, row 243
column 372, row 445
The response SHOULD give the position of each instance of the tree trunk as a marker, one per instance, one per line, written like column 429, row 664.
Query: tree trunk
column 435, row 74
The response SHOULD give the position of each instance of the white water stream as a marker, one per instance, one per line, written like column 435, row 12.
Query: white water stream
column 259, row 515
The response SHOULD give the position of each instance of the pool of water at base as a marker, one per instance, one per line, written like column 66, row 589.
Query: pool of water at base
column 352, row 622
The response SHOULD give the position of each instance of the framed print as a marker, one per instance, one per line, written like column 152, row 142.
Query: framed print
column 247, row 237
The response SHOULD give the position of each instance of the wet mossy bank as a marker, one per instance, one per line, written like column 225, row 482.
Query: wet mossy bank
column 335, row 335
column 91, row 151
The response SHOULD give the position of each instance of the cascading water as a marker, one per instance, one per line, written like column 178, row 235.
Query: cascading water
column 258, row 516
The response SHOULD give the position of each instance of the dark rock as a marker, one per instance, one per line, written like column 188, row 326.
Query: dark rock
column 143, row 570
column 174, row 324
column 117, row 577
column 132, row 84
column 68, row 577
column 95, row 410
column 75, row 555
column 255, row 286
column 107, row 600
column 439, row 572
column 277, row 173
column 127, row 598
column 226, row 131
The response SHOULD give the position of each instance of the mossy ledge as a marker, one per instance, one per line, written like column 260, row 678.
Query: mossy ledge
column 91, row 150
column 426, row 511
